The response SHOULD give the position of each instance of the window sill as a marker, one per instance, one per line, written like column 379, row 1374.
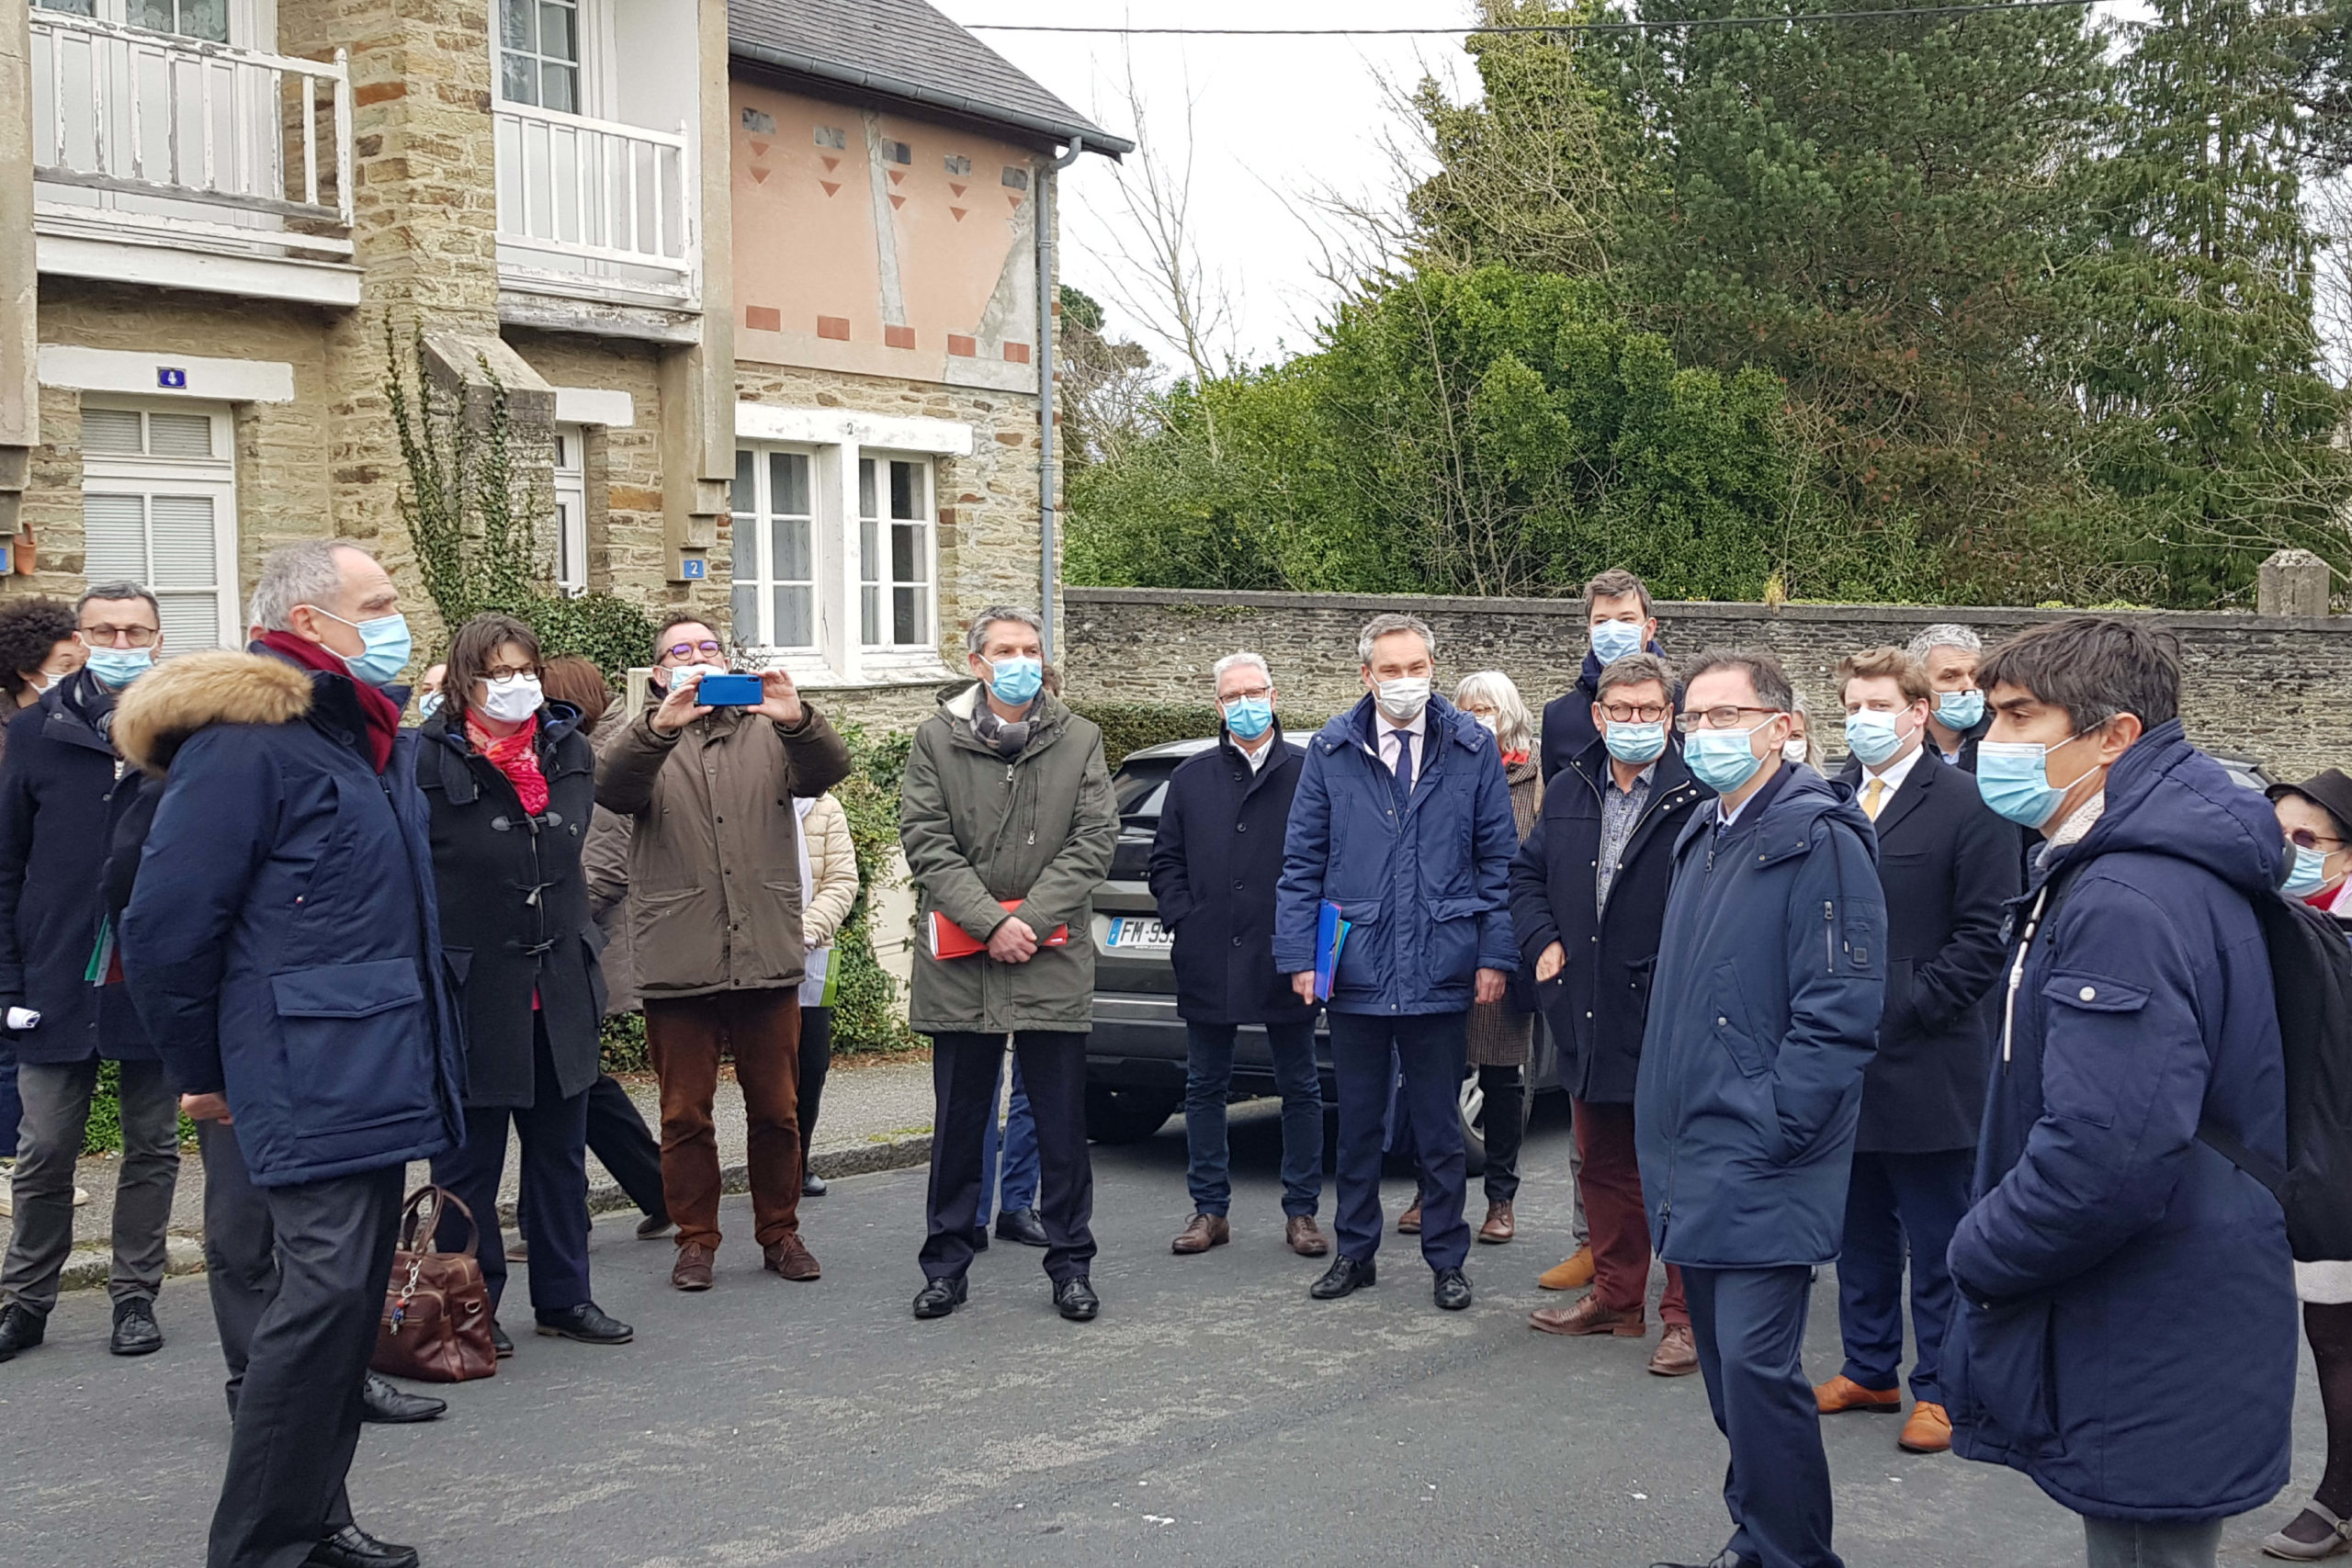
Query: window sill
column 878, row 671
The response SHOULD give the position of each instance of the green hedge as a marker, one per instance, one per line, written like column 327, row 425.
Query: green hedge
column 610, row 632
column 103, row 1132
column 1131, row 726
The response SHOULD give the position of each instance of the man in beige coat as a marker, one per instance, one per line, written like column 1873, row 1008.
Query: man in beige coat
column 715, row 929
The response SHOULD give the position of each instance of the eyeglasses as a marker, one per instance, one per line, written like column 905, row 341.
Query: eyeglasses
column 688, row 650
column 1725, row 718
column 508, row 672
column 2304, row 838
column 1248, row 693
column 117, row 637
column 1633, row 713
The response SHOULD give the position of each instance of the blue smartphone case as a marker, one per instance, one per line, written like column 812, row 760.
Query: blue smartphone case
column 728, row 691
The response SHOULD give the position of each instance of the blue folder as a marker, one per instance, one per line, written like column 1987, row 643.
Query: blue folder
column 1330, row 933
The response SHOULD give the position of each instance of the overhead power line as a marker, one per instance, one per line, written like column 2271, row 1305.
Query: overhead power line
column 1785, row 19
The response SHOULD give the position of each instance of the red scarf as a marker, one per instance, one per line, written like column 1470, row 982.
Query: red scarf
column 383, row 716
column 1515, row 759
column 515, row 756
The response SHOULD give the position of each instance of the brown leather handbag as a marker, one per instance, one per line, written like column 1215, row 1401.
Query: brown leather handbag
column 436, row 1326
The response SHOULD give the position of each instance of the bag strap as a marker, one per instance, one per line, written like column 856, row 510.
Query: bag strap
column 442, row 1199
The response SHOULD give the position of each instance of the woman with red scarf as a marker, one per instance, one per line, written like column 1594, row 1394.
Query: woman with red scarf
column 512, row 783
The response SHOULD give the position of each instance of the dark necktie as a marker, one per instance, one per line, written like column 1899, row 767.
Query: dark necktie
column 1404, row 761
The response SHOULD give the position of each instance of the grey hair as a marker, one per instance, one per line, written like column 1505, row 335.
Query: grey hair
column 115, row 593
column 1946, row 634
column 976, row 636
column 1514, row 726
column 1239, row 660
column 306, row 573
column 1386, row 626
column 1796, row 707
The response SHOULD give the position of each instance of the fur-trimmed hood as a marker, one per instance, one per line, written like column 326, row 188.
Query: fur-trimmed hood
column 157, row 715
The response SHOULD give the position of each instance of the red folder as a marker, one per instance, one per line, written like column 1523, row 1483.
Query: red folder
column 949, row 940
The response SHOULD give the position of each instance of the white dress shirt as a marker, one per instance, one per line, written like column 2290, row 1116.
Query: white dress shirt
column 1415, row 735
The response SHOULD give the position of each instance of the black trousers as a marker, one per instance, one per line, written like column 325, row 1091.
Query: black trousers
column 816, row 1061
column 1750, row 1328
column 296, row 1276
column 623, row 1144
column 964, row 1075
column 554, row 1132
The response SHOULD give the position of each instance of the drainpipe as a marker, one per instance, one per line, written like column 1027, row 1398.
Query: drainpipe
column 1047, row 400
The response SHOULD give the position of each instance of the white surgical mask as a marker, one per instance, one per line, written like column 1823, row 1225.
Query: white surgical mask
column 1401, row 701
column 1793, row 750
column 510, row 699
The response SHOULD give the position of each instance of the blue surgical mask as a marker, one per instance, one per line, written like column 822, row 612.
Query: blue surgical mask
column 1635, row 743
column 1611, row 640
column 1016, row 679
column 1872, row 737
column 428, row 704
column 1723, row 759
column 119, row 667
column 1248, row 718
column 1961, row 710
column 2014, row 778
column 385, row 647
column 2307, row 872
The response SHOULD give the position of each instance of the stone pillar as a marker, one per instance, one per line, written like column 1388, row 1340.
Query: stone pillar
column 699, row 380
column 19, row 283
column 2296, row 583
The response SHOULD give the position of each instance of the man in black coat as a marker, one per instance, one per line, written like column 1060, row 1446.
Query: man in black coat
column 1947, row 653
column 1588, row 899
column 67, row 1006
column 1947, row 866
column 1214, row 866
column 1618, row 620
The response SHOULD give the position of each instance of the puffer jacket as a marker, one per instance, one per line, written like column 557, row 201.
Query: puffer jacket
column 714, row 863
column 2144, row 1008
column 833, row 872
column 979, row 831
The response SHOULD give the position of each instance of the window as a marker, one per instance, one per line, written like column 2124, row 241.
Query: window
column 775, row 567
column 159, row 507
column 833, row 136
column 1015, row 178
column 758, row 122
column 959, row 165
column 570, row 511
column 538, row 54
column 189, row 18
column 898, row 153
column 894, row 552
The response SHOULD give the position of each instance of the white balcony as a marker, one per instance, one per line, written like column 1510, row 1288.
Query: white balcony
column 597, row 211
column 176, row 144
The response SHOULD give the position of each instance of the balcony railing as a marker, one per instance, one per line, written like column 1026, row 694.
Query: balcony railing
column 184, row 137
column 598, row 204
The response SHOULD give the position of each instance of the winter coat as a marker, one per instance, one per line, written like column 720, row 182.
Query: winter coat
column 1422, row 882
column 59, row 807
column 1763, row 1014
column 978, row 831
column 714, row 864
column 1569, row 728
column 1599, row 1002
column 515, row 906
column 1214, row 862
column 282, row 942
column 1502, row 1034
column 2145, row 1006
column 1948, row 866
column 833, row 872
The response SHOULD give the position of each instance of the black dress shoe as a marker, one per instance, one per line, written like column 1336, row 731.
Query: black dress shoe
column 980, row 1239
column 21, row 1328
column 1076, row 1300
column 1724, row 1559
column 587, row 1323
column 1451, row 1290
column 1022, row 1225
column 352, row 1547
column 135, row 1332
column 1345, row 1276
column 941, row 1297
column 389, row 1407
column 498, row 1342
column 812, row 1185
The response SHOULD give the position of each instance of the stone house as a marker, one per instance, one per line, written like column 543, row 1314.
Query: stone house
column 761, row 282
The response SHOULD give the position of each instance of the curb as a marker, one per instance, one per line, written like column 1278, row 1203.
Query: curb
column 86, row 1268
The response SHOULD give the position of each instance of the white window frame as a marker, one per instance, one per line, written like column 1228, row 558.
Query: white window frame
column 876, row 573
column 593, row 74
column 215, row 478
column 754, row 539
column 572, row 510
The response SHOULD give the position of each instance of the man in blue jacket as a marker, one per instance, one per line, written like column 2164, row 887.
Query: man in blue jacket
column 1403, row 823
column 283, row 946
column 1763, row 1014
column 2138, row 1030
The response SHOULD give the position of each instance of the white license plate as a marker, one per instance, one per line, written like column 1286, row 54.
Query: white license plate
column 1135, row 932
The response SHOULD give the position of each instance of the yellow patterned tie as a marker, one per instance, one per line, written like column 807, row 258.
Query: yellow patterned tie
column 1874, row 796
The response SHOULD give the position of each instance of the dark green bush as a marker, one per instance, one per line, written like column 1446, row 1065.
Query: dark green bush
column 610, row 632
column 1131, row 726
column 103, row 1134
column 625, row 1048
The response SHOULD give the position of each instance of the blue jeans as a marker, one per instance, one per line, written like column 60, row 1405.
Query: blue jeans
column 1019, row 1144
column 1896, row 1203
column 1208, row 1078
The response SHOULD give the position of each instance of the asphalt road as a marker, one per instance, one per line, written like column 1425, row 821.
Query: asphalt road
column 1213, row 1415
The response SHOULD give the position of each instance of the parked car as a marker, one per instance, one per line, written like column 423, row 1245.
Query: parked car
column 1134, row 1059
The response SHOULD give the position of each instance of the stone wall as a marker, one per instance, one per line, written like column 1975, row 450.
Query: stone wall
column 2276, row 690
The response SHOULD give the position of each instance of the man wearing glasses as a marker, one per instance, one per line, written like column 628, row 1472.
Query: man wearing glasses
column 1763, row 1014
column 1588, row 896
column 714, row 879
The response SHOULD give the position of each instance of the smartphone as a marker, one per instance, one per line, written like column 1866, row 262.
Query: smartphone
column 728, row 691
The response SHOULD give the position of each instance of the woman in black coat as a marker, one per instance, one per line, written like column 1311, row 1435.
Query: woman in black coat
column 512, row 784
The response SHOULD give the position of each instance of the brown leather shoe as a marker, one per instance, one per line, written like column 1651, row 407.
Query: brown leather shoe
column 1676, row 1355
column 1569, row 1274
column 1842, row 1393
column 1927, row 1432
column 1500, row 1225
column 1410, row 1222
column 1302, row 1236
column 791, row 1258
column 1200, row 1233
column 1589, row 1314
column 692, row 1271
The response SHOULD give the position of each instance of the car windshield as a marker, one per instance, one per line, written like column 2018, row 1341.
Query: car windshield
column 1140, row 786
